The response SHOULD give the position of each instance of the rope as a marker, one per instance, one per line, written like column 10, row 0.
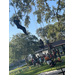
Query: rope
column 35, row 23
column 34, row 18
column 15, row 10
column 57, row 11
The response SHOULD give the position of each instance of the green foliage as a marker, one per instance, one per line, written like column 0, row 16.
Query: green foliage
column 27, row 21
column 43, row 11
column 22, row 45
column 32, row 3
column 53, row 32
column 47, row 17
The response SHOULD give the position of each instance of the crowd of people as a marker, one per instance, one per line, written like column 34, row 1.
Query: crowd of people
column 49, row 58
column 37, row 60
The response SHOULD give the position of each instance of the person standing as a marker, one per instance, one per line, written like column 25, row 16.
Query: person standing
column 58, row 53
column 63, row 47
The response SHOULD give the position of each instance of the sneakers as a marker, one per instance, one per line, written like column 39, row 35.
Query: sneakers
column 25, row 32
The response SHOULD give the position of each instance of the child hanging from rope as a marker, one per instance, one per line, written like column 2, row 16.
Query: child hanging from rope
column 17, row 23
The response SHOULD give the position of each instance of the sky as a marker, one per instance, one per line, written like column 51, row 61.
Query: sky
column 33, row 26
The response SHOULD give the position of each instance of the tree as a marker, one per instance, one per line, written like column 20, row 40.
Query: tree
column 11, row 56
column 14, row 54
column 22, row 9
column 23, row 45
column 43, row 32
column 42, row 10
column 53, row 32
column 44, row 13
column 56, row 15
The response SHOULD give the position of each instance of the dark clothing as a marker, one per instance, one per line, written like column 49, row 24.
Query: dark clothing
column 16, row 22
column 52, row 64
column 58, row 54
column 41, row 44
column 54, row 53
column 19, row 26
column 64, row 50
column 51, row 47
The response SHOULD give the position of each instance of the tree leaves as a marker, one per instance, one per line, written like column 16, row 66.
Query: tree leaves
column 25, row 1
column 11, row 4
column 47, row 17
column 27, row 21
column 43, row 11
column 44, row 14
column 32, row 3
column 22, row 45
column 51, row 32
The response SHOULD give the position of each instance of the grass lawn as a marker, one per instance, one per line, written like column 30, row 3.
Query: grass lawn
column 44, row 68
column 17, row 69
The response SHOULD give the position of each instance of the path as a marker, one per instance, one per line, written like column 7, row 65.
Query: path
column 54, row 72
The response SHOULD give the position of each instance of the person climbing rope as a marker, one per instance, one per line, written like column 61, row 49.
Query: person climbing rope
column 17, row 23
column 41, row 44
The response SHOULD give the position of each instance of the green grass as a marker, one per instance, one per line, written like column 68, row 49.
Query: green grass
column 10, row 68
column 44, row 68
column 17, row 69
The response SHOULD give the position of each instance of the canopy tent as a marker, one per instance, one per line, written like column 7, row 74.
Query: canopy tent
column 58, row 43
column 40, row 50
